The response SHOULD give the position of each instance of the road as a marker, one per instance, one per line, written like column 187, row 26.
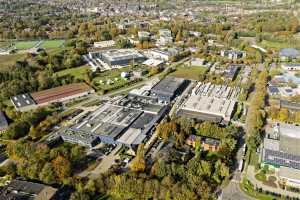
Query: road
column 105, row 164
column 232, row 191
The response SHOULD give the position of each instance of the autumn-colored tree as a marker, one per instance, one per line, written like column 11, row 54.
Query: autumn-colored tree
column 138, row 164
column 178, row 36
column 283, row 114
column 62, row 167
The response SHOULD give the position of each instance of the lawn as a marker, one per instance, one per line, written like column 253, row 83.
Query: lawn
column 9, row 60
column 22, row 45
column 278, row 45
column 52, row 44
column 193, row 73
column 261, row 176
column 253, row 158
column 77, row 72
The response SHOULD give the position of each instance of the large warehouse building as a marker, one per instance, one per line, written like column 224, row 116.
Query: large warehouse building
column 114, row 124
column 122, row 57
column 167, row 89
column 209, row 102
column 281, row 151
column 26, row 102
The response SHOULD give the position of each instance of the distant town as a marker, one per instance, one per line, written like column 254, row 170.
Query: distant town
column 149, row 100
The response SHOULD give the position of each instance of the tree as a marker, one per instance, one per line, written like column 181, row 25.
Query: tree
column 47, row 174
column 198, row 147
column 283, row 114
column 79, row 196
column 123, row 43
column 138, row 164
column 17, row 130
column 90, row 186
column 62, row 167
column 178, row 36
column 105, row 35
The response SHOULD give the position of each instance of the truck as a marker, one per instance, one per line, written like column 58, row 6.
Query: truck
column 241, row 165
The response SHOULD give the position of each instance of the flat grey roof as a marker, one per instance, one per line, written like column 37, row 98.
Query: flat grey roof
column 22, row 100
column 143, row 121
column 289, row 173
column 289, row 130
column 130, row 136
column 78, row 136
column 289, row 52
column 271, row 144
column 210, row 105
column 168, row 85
column 122, row 54
column 109, row 120
column 280, row 158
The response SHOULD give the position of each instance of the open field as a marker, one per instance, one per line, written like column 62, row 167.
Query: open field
column 77, row 72
column 22, row 45
column 46, row 44
column 9, row 60
column 189, row 72
column 278, row 45
column 52, row 44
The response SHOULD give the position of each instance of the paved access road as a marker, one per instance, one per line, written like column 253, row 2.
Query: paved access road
column 232, row 191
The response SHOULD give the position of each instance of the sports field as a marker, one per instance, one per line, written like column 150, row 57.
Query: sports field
column 22, row 45
column 46, row 44
column 52, row 44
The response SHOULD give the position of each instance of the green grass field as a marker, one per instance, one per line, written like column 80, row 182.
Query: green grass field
column 22, row 45
column 9, row 60
column 278, row 45
column 52, row 44
column 189, row 72
column 77, row 72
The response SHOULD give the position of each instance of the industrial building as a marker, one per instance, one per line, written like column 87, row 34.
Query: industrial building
column 231, row 72
column 233, row 54
column 18, row 189
column 209, row 102
column 281, row 151
column 26, row 102
column 104, row 44
column 290, row 105
column 144, row 35
column 113, row 58
column 165, row 37
column 169, row 88
column 125, row 122
column 288, row 54
column 164, row 54
column 291, row 67
column 122, row 57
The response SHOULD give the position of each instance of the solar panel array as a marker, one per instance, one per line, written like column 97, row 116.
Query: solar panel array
column 282, row 159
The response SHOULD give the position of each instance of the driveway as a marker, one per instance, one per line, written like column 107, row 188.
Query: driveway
column 106, row 163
